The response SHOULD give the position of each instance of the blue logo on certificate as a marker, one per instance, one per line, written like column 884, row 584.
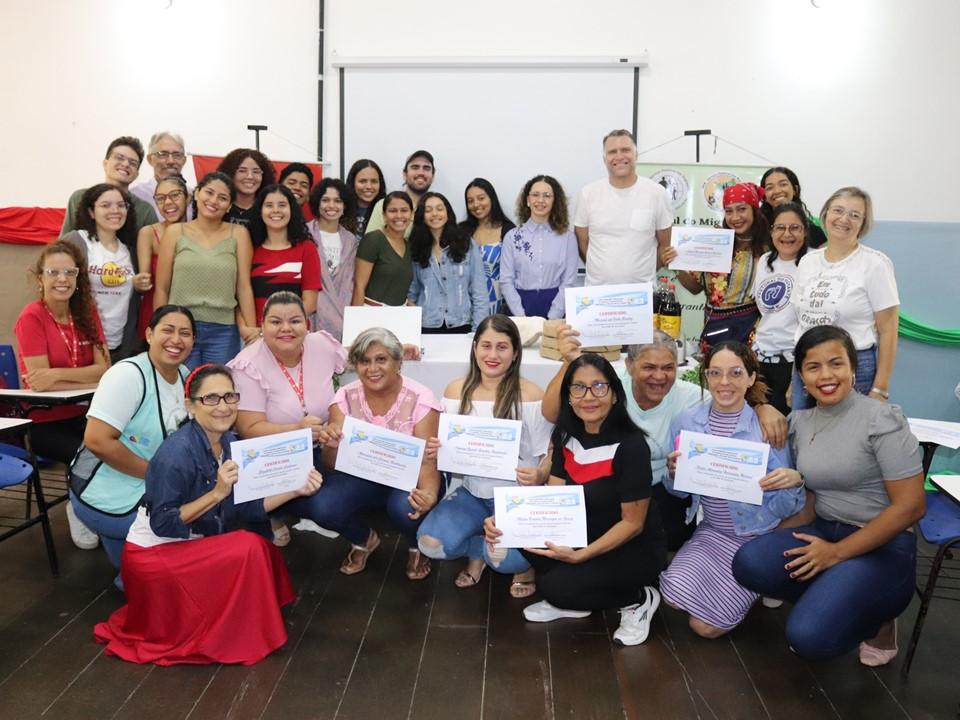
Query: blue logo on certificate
column 551, row 500
column 280, row 449
column 737, row 455
column 398, row 447
column 717, row 239
column 496, row 434
column 630, row 299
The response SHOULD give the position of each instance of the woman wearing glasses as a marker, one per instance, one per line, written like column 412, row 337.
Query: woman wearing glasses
column 199, row 588
column 700, row 580
column 781, row 185
column 773, row 287
column 596, row 446
column 249, row 170
column 539, row 258
column 852, row 286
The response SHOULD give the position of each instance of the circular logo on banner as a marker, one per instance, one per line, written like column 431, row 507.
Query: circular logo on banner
column 773, row 294
column 714, row 186
column 675, row 184
column 112, row 275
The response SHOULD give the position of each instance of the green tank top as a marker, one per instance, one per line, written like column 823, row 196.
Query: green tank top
column 206, row 280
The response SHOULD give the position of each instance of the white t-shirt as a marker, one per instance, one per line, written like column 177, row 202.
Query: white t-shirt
column 534, row 441
column 332, row 248
column 845, row 293
column 111, row 279
column 120, row 390
column 777, row 330
column 623, row 223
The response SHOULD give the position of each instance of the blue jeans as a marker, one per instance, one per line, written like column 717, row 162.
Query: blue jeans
column 842, row 606
column 457, row 523
column 865, row 375
column 112, row 529
column 215, row 343
column 342, row 498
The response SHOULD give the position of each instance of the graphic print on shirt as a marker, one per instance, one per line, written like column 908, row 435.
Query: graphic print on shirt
column 819, row 300
column 773, row 293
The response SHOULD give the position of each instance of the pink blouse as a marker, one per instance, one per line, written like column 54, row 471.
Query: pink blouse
column 413, row 403
column 264, row 388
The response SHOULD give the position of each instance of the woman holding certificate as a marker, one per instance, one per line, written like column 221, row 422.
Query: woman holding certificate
column 850, row 568
column 699, row 579
column 199, row 590
column 492, row 388
column 596, row 446
column 384, row 397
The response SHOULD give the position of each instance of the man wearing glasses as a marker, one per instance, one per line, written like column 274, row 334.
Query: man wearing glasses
column 167, row 157
column 121, row 165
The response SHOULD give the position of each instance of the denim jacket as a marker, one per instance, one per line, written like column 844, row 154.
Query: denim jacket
column 182, row 470
column 747, row 519
column 449, row 292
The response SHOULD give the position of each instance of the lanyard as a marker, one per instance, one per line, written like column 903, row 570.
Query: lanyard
column 73, row 347
column 296, row 386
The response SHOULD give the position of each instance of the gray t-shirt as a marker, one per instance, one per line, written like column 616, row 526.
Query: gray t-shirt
column 846, row 452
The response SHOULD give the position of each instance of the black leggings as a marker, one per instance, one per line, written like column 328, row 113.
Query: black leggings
column 777, row 376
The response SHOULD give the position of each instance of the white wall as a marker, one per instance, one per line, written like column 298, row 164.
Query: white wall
column 859, row 91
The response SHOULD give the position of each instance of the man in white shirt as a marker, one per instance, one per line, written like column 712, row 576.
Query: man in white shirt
column 167, row 156
column 622, row 220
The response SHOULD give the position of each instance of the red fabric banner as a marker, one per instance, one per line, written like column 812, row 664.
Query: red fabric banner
column 30, row 225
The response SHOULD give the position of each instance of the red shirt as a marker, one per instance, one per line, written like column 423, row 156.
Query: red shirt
column 294, row 269
column 39, row 334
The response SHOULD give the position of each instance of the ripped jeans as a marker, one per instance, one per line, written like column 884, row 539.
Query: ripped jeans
column 457, row 523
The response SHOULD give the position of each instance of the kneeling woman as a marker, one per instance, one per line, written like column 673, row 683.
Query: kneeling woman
column 596, row 445
column 699, row 579
column 850, row 569
column 217, row 596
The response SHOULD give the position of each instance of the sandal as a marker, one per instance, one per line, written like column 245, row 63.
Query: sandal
column 467, row 579
column 356, row 559
column 418, row 565
column 523, row 588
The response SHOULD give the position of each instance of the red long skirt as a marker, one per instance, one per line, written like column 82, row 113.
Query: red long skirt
column 212, row 600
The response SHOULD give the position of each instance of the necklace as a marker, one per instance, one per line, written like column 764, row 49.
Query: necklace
column 73, row 344
column 816, row 430
column 297, row 386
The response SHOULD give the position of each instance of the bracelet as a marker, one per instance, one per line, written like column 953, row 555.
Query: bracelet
column 882, row 393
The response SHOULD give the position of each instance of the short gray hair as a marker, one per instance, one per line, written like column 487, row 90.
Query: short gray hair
column 157, row 137
column 375, row 336
column 620, row 132
column 661, row 341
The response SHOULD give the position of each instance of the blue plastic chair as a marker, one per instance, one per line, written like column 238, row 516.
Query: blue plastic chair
column 941, row 527
column 15, row 472
column 8, row 367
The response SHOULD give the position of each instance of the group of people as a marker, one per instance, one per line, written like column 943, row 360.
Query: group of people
column 242, row 337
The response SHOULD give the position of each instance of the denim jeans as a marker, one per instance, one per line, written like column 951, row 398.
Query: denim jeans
column 865, row 375
column 341, row 500
column 842, row 606
column 457, row 523
column 112, row 529
column 215, row 343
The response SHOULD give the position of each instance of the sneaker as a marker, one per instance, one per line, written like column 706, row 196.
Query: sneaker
column 545, row 612
column 307, row 525
column 82, row 536
column 635, row 619
column 770, row 602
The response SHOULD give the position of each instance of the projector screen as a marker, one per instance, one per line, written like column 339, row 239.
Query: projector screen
column 505, row 124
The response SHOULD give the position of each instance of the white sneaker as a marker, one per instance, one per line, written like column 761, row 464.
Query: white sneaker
column 308, row 525
column 545, row 612
column 635, row 619
column 771, row 602
column 82, row 536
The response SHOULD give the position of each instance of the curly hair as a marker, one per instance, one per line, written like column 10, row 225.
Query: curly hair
column 559, row 218
column 345, row 191
column 757, row 393
column 231, row 163
column 84, row 217
column 82, row 306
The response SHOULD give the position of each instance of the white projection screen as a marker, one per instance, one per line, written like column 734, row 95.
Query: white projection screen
column 505, row 124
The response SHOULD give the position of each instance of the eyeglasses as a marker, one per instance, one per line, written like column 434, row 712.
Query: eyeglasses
column 124, row 160
column 795, row 229
column 838, row 212
column 55, row 272
column 212, row 399
column 173, row 196
column 737, row 373
column 114, row 205
column 598, row 389
column 252, row 172
column 169, row 155
column 540, row 196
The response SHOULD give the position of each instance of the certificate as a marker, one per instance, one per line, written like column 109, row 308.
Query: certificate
column 721, row 467
column 403, row 321
column 272, row 464
column 483, row 446
column 940, row 432
column 702, row 249
column 611, row 314
column 379, row 455
column 529, row 516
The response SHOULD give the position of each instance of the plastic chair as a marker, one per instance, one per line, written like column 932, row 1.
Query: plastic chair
column 8, row 367
column 940, row 526
column 13, row 473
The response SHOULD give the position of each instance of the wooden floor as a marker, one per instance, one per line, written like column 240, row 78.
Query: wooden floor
column 376, row 646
